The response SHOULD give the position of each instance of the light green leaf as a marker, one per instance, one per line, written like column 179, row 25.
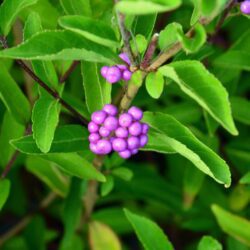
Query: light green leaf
column 204, row 88
column 155, row 84
column 13, row 98
column 45, row 117
column 75, row 165
column 94, row 30
column 97, row 91
column 240, row 108
column 139, row 44
column 48, row 173
column 149, row 233
column 143, row 7
column 180, row 139
column 107, row 186
column 4, row 191
column 212, row 8
column 123, row 173
column 245, row 179
column 9, row 11
column 60, row 45
column 76, row 7
column 68, row 138
column 209, row 243
column 103, row 237
column 234, row 225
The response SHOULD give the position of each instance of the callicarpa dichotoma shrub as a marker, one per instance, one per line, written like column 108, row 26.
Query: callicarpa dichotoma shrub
column 124, row 125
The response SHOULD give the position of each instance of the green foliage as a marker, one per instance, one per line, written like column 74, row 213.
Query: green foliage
column 155, row 84
column 209, row 243
column 76, row 7
column 5, row 190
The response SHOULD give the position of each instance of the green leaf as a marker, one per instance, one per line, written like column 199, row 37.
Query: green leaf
column 60, row 45
column 144, row 7
column 204, row 88
column 139, row 44
column 13, row 98
column 209, row 243
column 240, row 108
column 73, row 164
column 10, row 129
column 48, row 173
column 107, row 186
column 45, row 117
column 245, row 179
column 72, row 211
column 97, row 91
column 149, row 233
column 155, row 84
column 5, row 190
column 234, row 225
column 102, row 237
column 179, row 138
column 9, row 11
column 68, row 138
column 94, row 30
column 212, row 8
column 76, row 7
column 123, row 173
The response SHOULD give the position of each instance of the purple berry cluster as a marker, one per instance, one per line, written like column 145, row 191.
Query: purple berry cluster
column 122, row 133
column 245, row 7
column 115, row 73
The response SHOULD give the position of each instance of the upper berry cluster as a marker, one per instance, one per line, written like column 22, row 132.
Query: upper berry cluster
column 115, row 73
column 122, row 133
column 245, row 7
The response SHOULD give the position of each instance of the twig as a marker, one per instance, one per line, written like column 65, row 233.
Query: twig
column 26, row 220
column 10, row 164
column 69, row 71
column 52, row 92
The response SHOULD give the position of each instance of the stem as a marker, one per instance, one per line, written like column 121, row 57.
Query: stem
column 52, row 92
column 69, row 71
column 10, row 164
column 26, row 220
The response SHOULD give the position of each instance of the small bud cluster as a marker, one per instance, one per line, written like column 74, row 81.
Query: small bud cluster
column 245, row 7
column 122, row 133
column 115, row 73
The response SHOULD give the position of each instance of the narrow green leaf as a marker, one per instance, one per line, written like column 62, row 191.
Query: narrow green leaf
column 9, row 11
column 94, row 30
column 180, row 139
column 68, row 138
column 240, row 108
column 204, row 88
column 75, row 165
column 60, row 45
column 77, row 7
column 13, row 98
column 4, row 191
column 45, row 117
column 209, row 243
column 234, row 225
column 107, row 186
column 123, row 173
column 103, row 237
column 49, row 174
column 97, row 91
column 144, row 7
column 149, row 233
column 155, row 84
column 245, row 179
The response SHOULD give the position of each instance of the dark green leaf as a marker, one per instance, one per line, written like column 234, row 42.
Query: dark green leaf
column 209, row 243
column 241, row 108
column 245, row 179
column 107, row 186
column 123, row 173
column 4, row 191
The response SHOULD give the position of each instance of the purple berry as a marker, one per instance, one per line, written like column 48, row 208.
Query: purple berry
column 145, row 128
column 104, row 132
column 93, row 147
column 111, row 123
column 122, row 67
column 135, row 129
column 103, row 147
column 94, row 137
column 125, row 58
column 134, row 151
column 104, row 71
column 110, row 109
column 143, row 140
column 125, row 154
column 93, row 127
column 125, row 120
column 121, row 132
column 136, row 113
column 133, row 142
column 245, row 7
column 126, row 75
column 98, row 116
column 113, row 74
column 119, row 144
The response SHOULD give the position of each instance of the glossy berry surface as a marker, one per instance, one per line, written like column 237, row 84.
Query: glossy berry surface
column 126, row 75
column 98, row 117
column 110, row 109
column 245, row 7
column 111, row 123
column 125, row 120
column 119, row 144
column 136, row 113
column 104, row 71
column 113, row 74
